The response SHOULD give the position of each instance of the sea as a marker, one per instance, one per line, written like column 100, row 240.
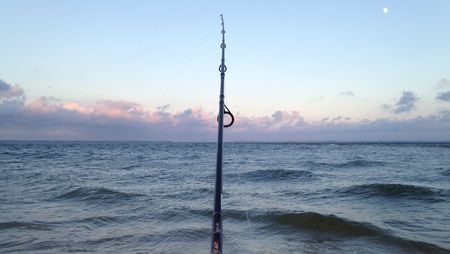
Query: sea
column 157, row 197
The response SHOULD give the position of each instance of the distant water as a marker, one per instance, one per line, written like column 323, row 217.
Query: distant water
column 146, row 197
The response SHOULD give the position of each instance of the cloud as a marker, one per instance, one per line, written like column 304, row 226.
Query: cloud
column 443, row 83
column 51, row 119
column 386, row 107
column 9, row 91
column 406, row 103
column 430, row 128
column 444, row 96
column 334, row 120
column 163, row 107
column 341, row 118
column 347, row 93
column 277, row 121
column 48, row 118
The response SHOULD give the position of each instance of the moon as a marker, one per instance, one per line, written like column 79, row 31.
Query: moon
column 385, row 10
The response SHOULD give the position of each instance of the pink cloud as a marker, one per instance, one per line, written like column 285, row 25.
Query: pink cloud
column 43, row 104
column 279, row 120
column 124, row 110
column 10, row 91
column 50, row 118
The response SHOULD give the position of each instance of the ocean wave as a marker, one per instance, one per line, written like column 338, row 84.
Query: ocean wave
column 24, row 225
column 95, row 221
column 326, row 223
column 96, row 195
column 335, row 225
column 446, row 172
column 347, row 164
column 100, row 241
column 192, row 157
column 183, row 234
column 276, row 175
column 130, row 166
column 50, row 155
column 193, row 194
column 181, row 213
column 13, row 153
column 395, row 190
column 100, row 220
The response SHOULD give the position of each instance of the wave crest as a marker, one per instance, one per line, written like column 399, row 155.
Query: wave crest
column 23, row 225
column 328, row 223
column 277, row 175
column 348, row 164
column 96, row 194
column 395, row 191
column 343, row 227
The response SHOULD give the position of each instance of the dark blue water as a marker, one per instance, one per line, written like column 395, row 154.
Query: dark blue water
column 139, row 197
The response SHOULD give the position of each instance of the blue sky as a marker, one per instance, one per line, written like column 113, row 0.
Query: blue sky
column 294, row 68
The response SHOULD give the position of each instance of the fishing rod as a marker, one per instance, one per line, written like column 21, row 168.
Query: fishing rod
column 216, row 243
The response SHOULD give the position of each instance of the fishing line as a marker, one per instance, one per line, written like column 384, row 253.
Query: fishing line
column 240, row 196
column 187, row 62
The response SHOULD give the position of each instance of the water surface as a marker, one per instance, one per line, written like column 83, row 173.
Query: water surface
column 157, row 197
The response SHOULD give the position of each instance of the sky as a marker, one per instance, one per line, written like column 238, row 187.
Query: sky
column 297, row 70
